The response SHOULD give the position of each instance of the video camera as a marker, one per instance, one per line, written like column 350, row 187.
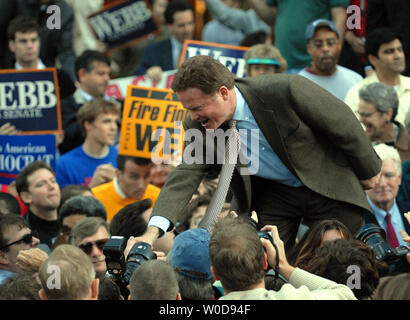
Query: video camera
column 375, row 237
column 120, row 269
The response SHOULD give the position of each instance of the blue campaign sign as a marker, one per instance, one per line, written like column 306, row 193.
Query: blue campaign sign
column 229, row 56
column 29, row 100
column 123, row 22
column 17, row 151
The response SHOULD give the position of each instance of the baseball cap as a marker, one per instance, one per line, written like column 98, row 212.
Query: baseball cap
column 311, row 28
column 189, row 254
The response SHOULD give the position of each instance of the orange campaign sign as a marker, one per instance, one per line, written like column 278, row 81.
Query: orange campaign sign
column 152, row 125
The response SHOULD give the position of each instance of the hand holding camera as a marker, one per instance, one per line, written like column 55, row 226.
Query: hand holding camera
column 124, row 257
column 285, row 268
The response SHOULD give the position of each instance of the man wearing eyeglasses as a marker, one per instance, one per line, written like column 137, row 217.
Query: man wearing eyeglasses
column 90, row 235
column 324, row 47
column 15, row 236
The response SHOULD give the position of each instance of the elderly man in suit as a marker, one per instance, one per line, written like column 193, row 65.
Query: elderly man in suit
column 314, row 157
column 388, row 212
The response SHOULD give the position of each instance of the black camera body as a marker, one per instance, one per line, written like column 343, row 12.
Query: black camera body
column 375, row 237
column 265, row 235
column 114, row 256
column 120, row 269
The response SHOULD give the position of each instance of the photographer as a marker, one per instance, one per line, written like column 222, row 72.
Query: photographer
column 238, row 260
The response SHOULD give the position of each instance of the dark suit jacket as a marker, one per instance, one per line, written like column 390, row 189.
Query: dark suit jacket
column 72, row 132
column 404, row 207
column 156, row 54
column 314, row 134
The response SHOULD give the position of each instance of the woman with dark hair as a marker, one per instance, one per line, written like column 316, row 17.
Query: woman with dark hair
column 325, row 230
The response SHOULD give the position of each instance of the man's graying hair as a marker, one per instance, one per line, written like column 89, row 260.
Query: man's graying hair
column 86, row 228
column 382, row 96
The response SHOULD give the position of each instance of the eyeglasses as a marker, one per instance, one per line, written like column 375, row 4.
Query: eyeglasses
column 27, row 239
column 88, row 246
column 366, row 115
column 318, row 44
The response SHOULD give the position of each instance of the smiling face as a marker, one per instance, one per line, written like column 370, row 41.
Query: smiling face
column 210, row 110
column 386, row 190
column 374, row 121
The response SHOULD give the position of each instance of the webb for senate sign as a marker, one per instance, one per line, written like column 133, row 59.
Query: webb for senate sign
column 230, row 56
column 29, row 100
column 151, row 125
column 123, row 22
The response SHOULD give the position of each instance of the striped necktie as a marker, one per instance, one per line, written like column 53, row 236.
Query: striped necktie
column 232, row 148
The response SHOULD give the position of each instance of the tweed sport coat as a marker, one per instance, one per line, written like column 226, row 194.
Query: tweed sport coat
column 315, row 135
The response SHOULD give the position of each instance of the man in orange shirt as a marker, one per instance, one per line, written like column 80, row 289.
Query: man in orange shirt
column 130, row 184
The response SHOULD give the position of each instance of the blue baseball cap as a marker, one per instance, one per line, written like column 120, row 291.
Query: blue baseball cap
column 311, row 28
column 189, row 254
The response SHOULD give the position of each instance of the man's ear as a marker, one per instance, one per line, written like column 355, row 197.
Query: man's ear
column 213, row 273
column 372, row 59
column 81, row 74
column 94, row 289
column 26, row 197
column 42, row 294
column 390, row 114
column 87, row 125
column 118, row 173
column 308, row 48
column 265, row 262
column 224, row 92
column 12, row 46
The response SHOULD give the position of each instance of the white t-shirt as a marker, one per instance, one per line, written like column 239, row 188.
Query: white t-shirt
column 338, row 83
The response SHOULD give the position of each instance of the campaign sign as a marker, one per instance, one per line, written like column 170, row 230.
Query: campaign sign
column 117, row 88
column 17, row 151
column 230, row 56
column 152, row 125
column 29, row 100
column 122, row 22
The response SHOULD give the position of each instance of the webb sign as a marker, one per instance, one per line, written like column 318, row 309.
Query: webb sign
column 122, row 22
column 29, row 100
column 152, row 125
column 230, row 56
